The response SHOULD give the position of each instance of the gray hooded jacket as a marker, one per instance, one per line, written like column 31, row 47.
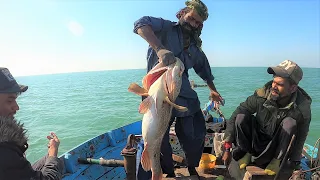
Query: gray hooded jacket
column 13, row 164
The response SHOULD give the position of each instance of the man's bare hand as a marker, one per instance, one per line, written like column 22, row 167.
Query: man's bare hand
column 215, row 96
column 226, row 158
column 53, row 144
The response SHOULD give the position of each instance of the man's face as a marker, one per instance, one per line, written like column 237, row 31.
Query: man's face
column 191, row 21
column 281, row 88
column 8, row 104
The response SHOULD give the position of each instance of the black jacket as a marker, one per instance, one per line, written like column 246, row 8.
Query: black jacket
column 13, row 164
column 268, row 115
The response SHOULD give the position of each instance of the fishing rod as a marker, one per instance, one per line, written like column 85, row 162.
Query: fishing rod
column 102, row 162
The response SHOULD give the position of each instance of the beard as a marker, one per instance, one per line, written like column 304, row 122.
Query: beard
column 277, row 96
column 187, row 28
column 10, row 117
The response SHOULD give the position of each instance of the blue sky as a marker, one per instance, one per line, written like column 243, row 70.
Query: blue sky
column 55, row 36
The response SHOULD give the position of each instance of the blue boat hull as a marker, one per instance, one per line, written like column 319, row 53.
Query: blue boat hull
column 109, row 146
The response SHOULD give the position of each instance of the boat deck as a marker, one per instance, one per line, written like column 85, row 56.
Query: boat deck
column 110, row 144
column 251, row 173
column 183, row 174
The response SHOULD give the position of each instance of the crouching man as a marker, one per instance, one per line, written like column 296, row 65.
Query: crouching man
column 261, row 127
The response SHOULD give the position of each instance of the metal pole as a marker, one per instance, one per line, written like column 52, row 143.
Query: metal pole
column 129, row 154
column 318, row 158
column 102, row 162
column 285, row 156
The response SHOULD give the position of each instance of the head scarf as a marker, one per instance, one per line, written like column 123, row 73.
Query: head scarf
column 200, row 7
column 202, row 11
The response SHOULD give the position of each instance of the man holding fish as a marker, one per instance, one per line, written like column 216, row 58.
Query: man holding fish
column 169, row 43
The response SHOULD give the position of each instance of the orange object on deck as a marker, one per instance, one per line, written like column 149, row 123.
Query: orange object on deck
column 207, row 161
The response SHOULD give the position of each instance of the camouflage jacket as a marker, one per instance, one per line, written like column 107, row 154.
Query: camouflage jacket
column 269, row 115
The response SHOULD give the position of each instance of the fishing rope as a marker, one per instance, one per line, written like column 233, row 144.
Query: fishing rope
column 315, row 168
column 299, row 171
column 314, row 147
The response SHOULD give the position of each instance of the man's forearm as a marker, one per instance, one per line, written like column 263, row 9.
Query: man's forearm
column 52, row 151
column 147, row 34
column 165, row 56
column 211, row 86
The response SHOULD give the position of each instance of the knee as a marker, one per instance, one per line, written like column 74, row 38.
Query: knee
column 289, row 124
column 242, row 119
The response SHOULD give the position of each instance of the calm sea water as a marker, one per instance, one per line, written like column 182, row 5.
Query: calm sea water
column 79, row 106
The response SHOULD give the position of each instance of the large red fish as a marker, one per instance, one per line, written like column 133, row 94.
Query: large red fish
column 161, row 86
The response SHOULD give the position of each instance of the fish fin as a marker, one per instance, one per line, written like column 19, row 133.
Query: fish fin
column 135, row 88
column 177, row 107
column 145, row 160
column 145, row 105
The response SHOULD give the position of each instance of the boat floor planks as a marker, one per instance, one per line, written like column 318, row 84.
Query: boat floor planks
column 184, row 175
column 95, row 171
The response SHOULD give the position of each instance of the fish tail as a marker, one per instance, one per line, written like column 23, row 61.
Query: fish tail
column 145, row 159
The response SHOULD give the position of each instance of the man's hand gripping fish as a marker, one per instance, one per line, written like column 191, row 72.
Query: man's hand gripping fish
column 161, row 86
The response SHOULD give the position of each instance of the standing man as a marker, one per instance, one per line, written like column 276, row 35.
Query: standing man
column 181, row 39
column 13, row 140
column 281, row 109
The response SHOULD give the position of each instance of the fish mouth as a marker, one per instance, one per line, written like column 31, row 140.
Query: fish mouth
column 152, row 77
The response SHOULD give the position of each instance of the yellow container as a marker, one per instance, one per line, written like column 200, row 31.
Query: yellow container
column 207, row 161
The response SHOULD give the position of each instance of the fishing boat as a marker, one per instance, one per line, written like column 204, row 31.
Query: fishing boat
column 116, row 154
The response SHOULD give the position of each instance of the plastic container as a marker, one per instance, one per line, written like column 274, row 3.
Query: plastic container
column 217, row 120
column 207, row 161
column 209, row 106
column 305, row 167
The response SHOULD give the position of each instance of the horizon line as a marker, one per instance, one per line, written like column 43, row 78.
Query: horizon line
column 71, row 72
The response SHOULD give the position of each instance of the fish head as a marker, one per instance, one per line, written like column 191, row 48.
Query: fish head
column 174, row 79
